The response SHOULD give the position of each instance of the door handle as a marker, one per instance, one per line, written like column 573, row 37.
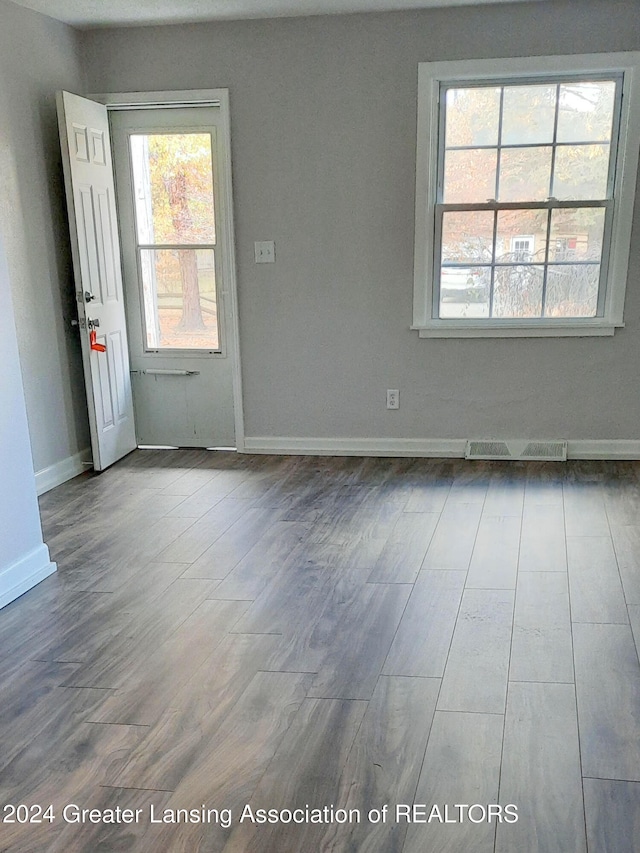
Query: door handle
column 88, row 296
column 93, row 324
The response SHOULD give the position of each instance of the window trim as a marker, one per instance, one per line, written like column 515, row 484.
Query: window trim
column 431, row 75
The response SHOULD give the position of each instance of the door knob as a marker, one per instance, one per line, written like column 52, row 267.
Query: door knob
column 93, row 324
column 88, row 296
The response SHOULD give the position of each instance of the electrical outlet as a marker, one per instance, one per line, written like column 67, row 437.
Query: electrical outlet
column 393, row 398
column 265, row 252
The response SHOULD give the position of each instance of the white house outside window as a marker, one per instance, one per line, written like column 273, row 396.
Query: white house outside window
column 525, row 185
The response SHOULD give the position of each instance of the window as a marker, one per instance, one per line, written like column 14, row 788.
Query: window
column 524, row 198
column 522, row 249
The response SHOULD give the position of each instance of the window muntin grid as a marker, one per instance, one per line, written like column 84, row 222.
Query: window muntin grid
column 548, row 135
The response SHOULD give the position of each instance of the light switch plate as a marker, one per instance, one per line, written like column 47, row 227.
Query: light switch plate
column 265, row 252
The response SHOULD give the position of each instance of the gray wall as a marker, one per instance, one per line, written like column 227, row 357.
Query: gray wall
column 323, row 124
column 38, row 56
column 24, row 559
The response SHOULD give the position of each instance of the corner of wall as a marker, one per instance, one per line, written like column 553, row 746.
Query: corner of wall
column 54, row 475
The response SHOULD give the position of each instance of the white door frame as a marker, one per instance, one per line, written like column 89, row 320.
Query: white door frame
column 195, row 98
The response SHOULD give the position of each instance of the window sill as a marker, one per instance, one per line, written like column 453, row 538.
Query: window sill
column 517, row 329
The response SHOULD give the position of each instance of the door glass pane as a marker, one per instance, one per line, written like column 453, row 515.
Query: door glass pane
column 525, row 174
column 179, row 295
column 586, row 111
column 528, row 114
column 576, row 234
column 517, row 291
column 472, row 117
column 572, row 291
column 467, row 236
column 469, row 176
column 581, row 172
column 173, row 188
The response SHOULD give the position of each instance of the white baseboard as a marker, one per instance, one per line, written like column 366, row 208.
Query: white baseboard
column 354, row 446
column 619, row 448
column 24, row 574
column 435, row 447
column 60, row 472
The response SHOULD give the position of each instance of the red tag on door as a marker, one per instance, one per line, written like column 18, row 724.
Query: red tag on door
column 93, row 342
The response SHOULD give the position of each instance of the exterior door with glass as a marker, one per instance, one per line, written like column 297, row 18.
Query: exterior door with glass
column 171, row 208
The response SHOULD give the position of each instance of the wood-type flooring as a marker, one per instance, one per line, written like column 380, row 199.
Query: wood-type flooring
column 419, row 643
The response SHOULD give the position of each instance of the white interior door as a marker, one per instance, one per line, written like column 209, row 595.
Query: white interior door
column 86, row 157
column 169, row 165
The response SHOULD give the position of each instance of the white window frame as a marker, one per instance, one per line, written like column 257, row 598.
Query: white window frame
column 431, row 76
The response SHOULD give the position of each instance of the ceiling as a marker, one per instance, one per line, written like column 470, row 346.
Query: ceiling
column 101, row 13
